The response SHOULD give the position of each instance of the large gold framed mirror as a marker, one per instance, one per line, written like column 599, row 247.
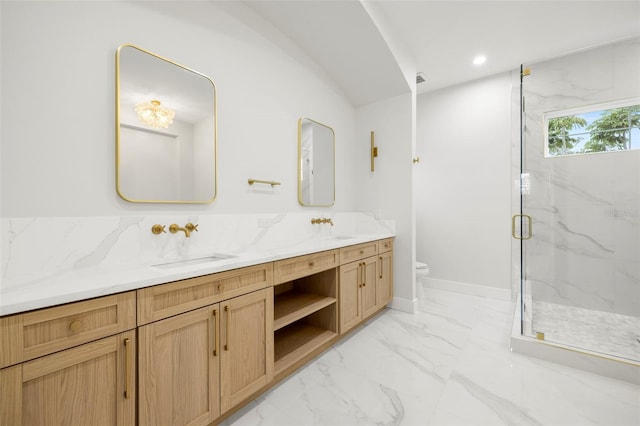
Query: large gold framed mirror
column 316, row 163
column 165, row 130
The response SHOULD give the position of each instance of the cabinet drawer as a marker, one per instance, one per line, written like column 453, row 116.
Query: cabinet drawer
column 163, row 301
column 301, row 266
column 359, row 251
column 385, row 245
column 34, row 334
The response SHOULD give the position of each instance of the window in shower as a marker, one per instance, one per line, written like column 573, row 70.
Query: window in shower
column 613, row 126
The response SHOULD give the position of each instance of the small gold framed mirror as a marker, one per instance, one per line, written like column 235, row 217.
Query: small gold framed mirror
column 166, row 131
column 316, row 164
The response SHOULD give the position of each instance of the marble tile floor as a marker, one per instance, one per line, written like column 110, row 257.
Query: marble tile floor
column 604, row 332
column 448, row 364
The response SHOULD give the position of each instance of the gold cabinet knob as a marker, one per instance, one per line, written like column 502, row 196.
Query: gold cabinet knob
column 75, row 326
column 157, row 229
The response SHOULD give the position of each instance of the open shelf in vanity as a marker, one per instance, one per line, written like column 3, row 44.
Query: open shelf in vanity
column 305, row 317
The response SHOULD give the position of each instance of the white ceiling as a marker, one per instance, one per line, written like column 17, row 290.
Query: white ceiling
column 442, row 37
column 445, row 36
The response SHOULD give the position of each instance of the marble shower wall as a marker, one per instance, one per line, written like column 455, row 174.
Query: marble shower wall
column 586, row 208
column 37, row 248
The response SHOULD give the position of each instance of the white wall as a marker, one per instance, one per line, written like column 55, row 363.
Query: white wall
column 61, row 163
column 463, row 189
column 58, row 94
column 387, row 190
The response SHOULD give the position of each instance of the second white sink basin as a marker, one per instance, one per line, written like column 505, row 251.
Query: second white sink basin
column 195, row 261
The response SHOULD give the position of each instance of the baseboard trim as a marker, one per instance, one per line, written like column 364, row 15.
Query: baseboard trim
column 405, row 305
column 466, row 288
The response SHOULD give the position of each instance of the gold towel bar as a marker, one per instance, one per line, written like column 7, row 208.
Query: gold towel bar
column 268, row 182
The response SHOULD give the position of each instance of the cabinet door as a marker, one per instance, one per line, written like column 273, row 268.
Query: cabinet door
column 385, row 278
column 91, row 384
column 179, row 369
column 369, row 287
column 246, row 330
column 350, row 283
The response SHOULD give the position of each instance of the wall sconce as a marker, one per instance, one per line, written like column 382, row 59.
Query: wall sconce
column 374, row 152
column 154, row 115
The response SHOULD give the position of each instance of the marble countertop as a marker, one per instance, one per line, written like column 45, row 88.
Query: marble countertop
column 79, row 284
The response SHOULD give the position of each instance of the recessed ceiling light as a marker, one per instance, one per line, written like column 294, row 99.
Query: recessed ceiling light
column 479, row 60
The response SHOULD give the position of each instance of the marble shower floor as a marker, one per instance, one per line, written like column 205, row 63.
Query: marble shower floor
column 448, row 364
column 596, row 331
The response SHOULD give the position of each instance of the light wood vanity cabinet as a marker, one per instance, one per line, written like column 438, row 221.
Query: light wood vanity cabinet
column 366, row 285
column 204, row 345
column 302, row 266
column 305, row 317
column 246, row 332
column 358, row 292
column 91, row 384
column 358, row 251
column 385, row 272
column 197, row 365
column 179, row 366
column 163, row 301
column 68, row 372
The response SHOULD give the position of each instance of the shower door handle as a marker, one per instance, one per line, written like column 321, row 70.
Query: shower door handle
column 529, row 228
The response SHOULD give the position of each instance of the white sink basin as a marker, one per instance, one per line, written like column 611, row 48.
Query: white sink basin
column 195, row 261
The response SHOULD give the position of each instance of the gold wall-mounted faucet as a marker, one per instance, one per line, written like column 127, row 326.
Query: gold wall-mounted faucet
column 188, row 229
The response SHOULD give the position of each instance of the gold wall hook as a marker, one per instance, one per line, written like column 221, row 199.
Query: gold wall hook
column 157, row 229
column 416, row 160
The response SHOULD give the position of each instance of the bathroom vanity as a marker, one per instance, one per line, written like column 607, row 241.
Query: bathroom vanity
column 191, row 351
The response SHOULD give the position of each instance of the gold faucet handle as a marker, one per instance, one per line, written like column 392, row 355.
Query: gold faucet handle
column 314, row 221
column 158, row 229
column 329, row 221
column 191, row 227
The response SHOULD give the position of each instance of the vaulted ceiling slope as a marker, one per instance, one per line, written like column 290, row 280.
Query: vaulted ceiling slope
column 444, row 36
column 344, row 40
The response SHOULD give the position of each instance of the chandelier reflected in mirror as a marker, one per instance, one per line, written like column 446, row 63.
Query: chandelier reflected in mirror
column 155, row 115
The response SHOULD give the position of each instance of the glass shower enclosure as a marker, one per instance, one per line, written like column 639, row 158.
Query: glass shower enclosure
column 578, row 223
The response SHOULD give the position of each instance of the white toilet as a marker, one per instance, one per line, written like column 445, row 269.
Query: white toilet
column 422, row 270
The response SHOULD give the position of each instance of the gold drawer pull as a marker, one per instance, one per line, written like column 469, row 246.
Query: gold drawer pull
column 364, row 274
column 228, row 311
column 381, row 266
column 215, row 332
column 361, row 251
column 311, row 264
column 127, row 368
column 75, row 326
